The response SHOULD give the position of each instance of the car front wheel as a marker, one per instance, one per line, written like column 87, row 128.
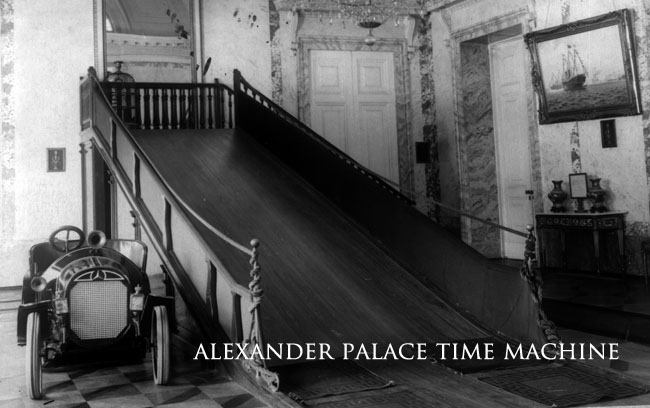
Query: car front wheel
column 33, row 364
column 160, row 345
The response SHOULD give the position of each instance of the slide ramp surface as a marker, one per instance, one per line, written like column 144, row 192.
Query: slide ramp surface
column 324, row 279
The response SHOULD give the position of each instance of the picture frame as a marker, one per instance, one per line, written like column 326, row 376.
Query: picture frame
column 56, row 159
column 578, row 185
column 586, row 69
column 608, row 133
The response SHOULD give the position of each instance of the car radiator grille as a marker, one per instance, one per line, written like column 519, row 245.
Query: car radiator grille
column 98, row 309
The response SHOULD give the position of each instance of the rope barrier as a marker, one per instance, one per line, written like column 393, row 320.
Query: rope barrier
column 474, row 217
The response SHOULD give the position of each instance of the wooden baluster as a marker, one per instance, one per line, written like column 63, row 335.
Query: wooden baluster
column 211, row 91
column 128, row 105
column 183, row 113
column 118, row 101
column 222, row 114
column 137, row 102
column 191, row 109
column 201, row 106
column 165, row 109
column 174, row 108
column 147, row 109
column 217, row 104
column 156, row 108
column 194, row 108
column 230, row 123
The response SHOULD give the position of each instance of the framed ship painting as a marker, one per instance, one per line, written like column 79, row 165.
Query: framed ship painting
column 586, row 69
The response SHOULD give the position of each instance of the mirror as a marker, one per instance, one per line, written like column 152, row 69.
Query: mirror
column 149, row 40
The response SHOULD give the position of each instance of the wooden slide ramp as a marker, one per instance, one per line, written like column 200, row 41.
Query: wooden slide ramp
column 325, row 281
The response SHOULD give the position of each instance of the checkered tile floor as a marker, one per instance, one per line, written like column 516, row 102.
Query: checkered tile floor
column 106, row 385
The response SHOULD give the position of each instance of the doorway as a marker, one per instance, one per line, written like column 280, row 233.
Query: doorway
column 154, row 41
column 353, row 106
column 512, row 147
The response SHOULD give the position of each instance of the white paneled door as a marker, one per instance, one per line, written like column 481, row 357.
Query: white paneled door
column 353, row 106
column 512, row 146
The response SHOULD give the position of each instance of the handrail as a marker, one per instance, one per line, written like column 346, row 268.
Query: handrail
column 240, row 84
column 483, row 220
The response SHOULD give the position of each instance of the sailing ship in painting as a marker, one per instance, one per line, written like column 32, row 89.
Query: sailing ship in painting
column 573, row 75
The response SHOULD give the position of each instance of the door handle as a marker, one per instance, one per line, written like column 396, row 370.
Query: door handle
column 530, row 194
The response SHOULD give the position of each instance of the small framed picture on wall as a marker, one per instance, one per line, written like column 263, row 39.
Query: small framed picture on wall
column 56, row 159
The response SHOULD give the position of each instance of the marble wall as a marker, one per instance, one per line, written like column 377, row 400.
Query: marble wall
column 477, row 149
column 276, row 54
column 429, row 130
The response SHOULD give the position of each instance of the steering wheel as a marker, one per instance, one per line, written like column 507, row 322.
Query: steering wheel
column 64, row 245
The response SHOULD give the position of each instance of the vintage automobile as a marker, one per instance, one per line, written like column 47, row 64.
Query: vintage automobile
column 90, row 296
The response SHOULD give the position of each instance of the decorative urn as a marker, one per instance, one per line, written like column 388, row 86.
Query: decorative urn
column 557, row 197
column 597, row 196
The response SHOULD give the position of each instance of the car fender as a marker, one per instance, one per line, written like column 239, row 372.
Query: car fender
column 151, row 302
column 24, row 310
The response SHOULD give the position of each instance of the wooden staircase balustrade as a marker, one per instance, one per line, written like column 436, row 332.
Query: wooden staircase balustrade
column 159, row 105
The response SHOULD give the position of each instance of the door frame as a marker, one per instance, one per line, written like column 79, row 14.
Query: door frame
column 475, row 234
column 402, row 98
column 497, row 143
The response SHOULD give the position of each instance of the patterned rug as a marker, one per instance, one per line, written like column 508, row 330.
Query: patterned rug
column 563, row 386
column 401, row 399
column 325, row 378
column 475, row 365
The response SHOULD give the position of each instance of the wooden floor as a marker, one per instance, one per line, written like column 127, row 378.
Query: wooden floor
column 324, row 280
column 612, row 305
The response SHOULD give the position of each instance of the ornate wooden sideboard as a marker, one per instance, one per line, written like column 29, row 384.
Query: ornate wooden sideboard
column 594, row 222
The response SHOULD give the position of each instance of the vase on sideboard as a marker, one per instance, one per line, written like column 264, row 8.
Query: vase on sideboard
column 597, row 196
column 557, row 197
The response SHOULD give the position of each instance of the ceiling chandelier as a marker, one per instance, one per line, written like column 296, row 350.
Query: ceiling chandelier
column 368, row 14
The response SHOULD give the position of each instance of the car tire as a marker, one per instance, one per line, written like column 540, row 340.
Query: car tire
column 160, row 345
column 33, row 362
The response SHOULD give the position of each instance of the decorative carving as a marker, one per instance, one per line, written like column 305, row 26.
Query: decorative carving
column 566, row 222
column 270, row 379
column 256, row 364
column 597, row 221
column 293, row 29
column 409, row 30
column 535, row 286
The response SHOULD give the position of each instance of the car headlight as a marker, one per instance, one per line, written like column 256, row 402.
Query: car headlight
column 137, row 300
column 60, row 303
